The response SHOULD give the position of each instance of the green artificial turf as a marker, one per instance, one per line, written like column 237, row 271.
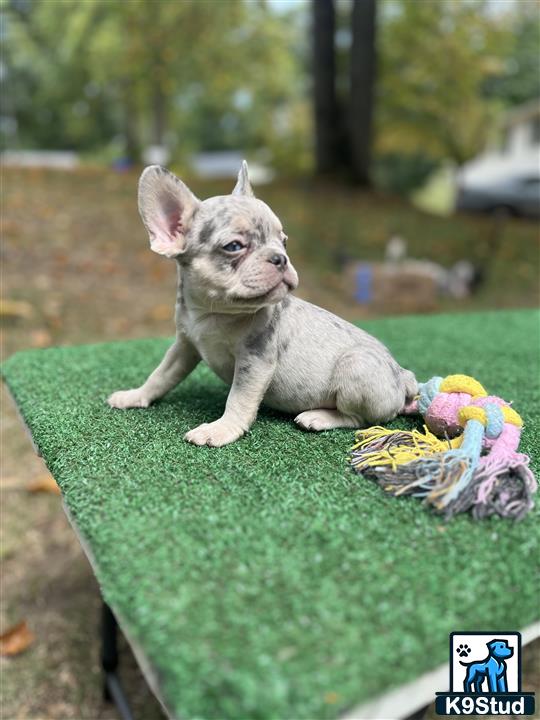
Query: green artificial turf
column 265, row 579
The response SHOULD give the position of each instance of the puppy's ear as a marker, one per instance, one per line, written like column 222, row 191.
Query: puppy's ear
column 243, row 186
column 166, row 206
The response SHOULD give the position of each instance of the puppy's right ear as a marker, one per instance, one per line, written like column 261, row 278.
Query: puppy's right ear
column 243, row 186
column 166, row 206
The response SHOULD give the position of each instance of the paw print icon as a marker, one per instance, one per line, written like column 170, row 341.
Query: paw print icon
column 463, row 650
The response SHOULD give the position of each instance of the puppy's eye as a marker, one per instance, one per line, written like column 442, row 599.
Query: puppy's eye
column 234, row 246
column 284, row 239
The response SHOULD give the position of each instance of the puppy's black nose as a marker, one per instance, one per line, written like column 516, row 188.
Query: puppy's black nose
column 279, row 260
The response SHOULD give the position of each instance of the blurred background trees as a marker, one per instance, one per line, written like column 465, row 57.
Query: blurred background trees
column 435, row 59
column 343, row 110
column 392, row 88
column 94, row 76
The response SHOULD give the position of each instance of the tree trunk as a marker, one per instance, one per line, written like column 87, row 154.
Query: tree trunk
column 159, row 108
column 130, row 124
column 325, row 101
column 362, row 82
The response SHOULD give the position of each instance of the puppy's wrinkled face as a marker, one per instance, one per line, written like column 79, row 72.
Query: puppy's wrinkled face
column 232, row 248
column 236, row 253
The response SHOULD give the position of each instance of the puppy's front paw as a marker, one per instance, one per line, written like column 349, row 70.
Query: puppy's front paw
column 215, row 434
column 124, row 399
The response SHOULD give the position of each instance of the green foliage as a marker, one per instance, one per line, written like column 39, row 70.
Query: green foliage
column 446, row 71
column 521, row 79
column 110, row 76
column 402, row 172
column 208, row 75
column 49, row 87
column 434, row 60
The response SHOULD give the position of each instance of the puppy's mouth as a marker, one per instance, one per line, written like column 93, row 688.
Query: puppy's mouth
column 265, row 294
column 283, row 284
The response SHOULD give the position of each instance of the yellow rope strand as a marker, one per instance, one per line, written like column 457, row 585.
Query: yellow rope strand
column 415, row 446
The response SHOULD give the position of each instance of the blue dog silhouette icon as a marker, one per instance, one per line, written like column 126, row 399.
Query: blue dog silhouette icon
column 492, row 669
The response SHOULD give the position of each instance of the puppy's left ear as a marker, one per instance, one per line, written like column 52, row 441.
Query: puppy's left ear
column 166, row 206
column 243, row 186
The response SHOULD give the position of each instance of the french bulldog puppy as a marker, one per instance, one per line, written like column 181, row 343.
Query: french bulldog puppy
column 235, row 311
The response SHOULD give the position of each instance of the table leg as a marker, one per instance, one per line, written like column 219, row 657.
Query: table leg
column 112, row 689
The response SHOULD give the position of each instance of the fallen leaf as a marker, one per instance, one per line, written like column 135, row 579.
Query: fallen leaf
column 61, row 258
column 55, row 322
column 331, row 698
column 15, row 309
column 110, row 267
column 44, row 483
column 16, row 640
column 164, row 311
column 40, row 338
column 11, row 228
column 159, row 272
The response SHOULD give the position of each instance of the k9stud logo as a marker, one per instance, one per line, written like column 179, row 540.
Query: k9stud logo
column 485, row 676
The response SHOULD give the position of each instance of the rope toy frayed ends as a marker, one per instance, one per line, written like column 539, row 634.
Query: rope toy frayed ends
column 466, row 459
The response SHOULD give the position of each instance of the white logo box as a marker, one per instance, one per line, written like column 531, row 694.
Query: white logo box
column 477, row 643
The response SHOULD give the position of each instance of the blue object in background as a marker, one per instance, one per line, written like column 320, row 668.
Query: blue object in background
column 122, row 164
column 363, row 292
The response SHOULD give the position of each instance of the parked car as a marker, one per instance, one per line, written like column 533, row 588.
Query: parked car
column 505, row 177
column 517, row 195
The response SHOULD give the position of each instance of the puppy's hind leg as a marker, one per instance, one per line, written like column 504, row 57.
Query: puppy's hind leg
column 178, row 362
column 323, row 419
column 371, row 388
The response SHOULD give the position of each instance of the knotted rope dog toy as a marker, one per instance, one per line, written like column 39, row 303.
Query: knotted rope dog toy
column 473, row 464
